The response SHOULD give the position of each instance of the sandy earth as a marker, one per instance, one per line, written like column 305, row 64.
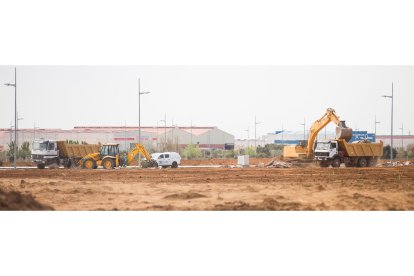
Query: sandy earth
column 217, row 188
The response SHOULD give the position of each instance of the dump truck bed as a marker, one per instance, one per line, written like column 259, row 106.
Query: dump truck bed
column 75, row 150
column 362, row 149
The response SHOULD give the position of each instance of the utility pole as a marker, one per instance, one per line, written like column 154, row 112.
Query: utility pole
column 15, row 115
column 34, row 130
column 255, row 138
column 376, row 122
column 165, row 130
column 139, row 116
column 247, row 130
column 157, row 135
column 304, row 128
column 402, row 136
column 191, row 132
column 392, row 118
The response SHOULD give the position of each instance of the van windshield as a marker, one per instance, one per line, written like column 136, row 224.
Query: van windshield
column 323, row 146
column 39, row 145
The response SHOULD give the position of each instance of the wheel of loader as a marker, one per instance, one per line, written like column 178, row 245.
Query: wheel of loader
column 41, row 166
column 336, row 163
column 89, row 164
column 362, row 162
column 108, row 164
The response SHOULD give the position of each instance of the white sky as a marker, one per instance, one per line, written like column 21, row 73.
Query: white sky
column 225, row 96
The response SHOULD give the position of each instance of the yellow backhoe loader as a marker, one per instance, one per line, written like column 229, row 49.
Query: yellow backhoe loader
column 109, row 157
column 305, row 151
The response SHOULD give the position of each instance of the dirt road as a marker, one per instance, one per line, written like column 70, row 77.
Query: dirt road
column 218, row 188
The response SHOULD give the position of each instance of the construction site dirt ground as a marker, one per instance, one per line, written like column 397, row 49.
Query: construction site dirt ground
column 311, row 188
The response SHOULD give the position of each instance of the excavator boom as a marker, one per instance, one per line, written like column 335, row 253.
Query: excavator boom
column 330, row 116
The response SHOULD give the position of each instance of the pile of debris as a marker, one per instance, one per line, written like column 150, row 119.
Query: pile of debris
column 396, row 164
column 277, row 164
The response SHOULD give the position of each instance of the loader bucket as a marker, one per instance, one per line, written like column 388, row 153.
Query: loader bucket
column 343, row 132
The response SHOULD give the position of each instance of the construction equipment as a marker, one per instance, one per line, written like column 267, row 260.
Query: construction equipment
column 109, row 157
column 305, row 150
column 50, row 152
column 358, row 154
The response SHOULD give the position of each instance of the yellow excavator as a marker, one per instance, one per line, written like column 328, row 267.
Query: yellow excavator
column 305, row 150
column 109, row 157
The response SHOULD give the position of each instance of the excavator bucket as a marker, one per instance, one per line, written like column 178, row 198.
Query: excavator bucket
column 343, row 132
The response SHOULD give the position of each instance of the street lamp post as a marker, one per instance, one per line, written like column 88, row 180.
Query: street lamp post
column 402, row 136
column 392, row 117
column 247, row 130
column 139, row 115
column 255, row 138
column 165, row 131
column 304, row 128
column 15, row 115
column 375, row 130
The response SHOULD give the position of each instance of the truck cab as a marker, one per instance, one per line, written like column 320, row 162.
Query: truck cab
column 44, row 152
column 325, row 150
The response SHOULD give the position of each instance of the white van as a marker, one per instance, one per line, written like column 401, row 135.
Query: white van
column 167, row 159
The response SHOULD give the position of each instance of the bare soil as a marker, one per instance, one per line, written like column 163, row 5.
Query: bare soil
column 308, row 188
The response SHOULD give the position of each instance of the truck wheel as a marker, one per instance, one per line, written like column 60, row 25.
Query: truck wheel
column 336, row 163
column 41, row 166
column 89, row 164
column 108, row 164
column 323, row 164
column 362, row 162
column 372, row 162
column 174, row 165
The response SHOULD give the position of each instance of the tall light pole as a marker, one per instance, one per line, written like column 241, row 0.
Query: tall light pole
column 34, row 130
column 402, row 136
column 255, row 138
column 375, row 130
column 392, row 117
column 304, row 128
column 165, row 130
column 15, row 115
column 139, row 116
column 18, row 119
column 247, row 130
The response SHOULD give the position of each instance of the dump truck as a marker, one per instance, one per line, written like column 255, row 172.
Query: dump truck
column 357, row 154
column 109, row 157
column 305, row 150
column 50, row 152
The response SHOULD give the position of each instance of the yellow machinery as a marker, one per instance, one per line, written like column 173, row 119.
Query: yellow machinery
column 306, row 150
column 109, row 157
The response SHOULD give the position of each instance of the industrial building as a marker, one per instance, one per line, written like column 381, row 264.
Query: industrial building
column 295, row 137
column 153, row 138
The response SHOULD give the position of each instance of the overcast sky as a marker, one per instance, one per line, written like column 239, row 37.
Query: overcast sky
column 225, row 96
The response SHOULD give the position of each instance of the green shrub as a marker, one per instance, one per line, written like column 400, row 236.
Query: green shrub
column 191, row 151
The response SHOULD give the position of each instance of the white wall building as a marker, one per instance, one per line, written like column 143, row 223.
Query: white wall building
column 155, row 138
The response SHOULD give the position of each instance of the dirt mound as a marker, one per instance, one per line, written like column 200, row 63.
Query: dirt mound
column 187, row 195
column 16, row 201
column 268, row 204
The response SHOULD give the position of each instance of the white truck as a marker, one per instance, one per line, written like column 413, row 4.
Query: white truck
column 51, row 152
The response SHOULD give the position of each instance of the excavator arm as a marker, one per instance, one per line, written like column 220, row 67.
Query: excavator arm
column 135, row 151
column 342, row 131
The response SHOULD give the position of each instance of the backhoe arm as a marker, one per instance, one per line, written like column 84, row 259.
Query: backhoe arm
column 135, row 151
